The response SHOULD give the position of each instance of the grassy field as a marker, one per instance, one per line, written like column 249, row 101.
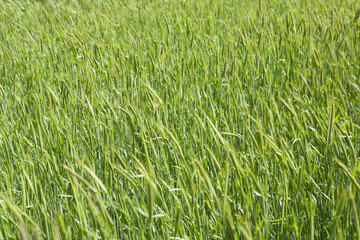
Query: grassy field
column 180, row 119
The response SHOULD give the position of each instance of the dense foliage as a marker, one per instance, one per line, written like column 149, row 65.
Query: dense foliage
column 179, row 119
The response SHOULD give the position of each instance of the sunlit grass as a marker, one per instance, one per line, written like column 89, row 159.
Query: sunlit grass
column 179, row 119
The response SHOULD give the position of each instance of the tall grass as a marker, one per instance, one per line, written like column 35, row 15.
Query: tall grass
column 181, row 119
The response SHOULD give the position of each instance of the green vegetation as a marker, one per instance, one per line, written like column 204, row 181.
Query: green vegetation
column 179, row 119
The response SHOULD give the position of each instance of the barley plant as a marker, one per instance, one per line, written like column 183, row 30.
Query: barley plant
column 179, row 119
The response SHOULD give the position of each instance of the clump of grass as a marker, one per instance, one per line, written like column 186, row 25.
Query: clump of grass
column 179, row 119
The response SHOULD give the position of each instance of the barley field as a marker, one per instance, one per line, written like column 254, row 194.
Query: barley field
column 179, row 119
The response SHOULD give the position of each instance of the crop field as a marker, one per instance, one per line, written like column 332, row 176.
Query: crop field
column 179, row 119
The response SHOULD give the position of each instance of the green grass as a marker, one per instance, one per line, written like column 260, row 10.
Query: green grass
column 180, row 119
